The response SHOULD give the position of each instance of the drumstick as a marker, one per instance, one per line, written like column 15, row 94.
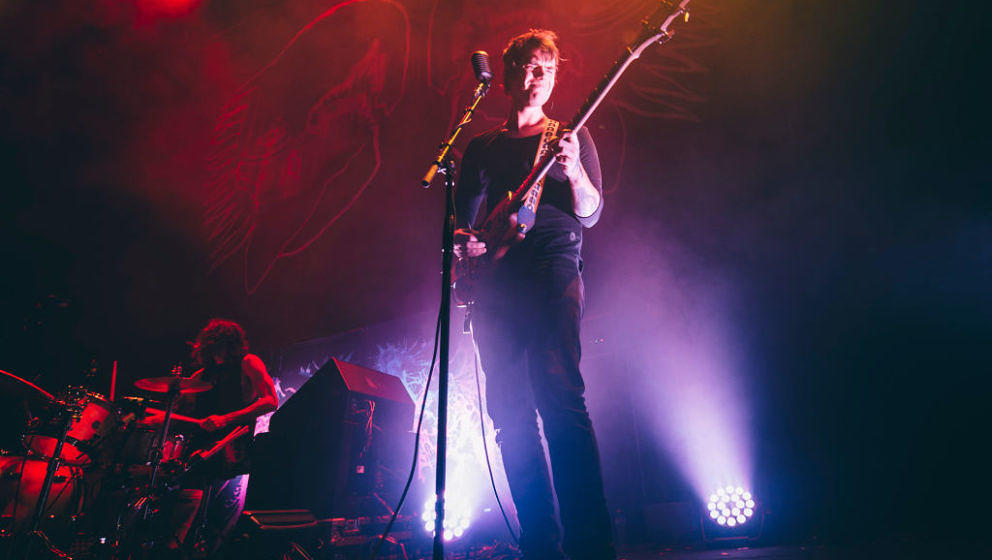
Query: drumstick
column 182, row 418
column 238, row 432
column 175, row 416
column 113, row 381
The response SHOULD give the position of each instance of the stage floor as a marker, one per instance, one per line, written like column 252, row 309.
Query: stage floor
column 900, row 549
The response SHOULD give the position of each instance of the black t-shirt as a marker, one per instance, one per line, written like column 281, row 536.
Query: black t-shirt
column 495, row 163
column 226, row 396
column 227, row 393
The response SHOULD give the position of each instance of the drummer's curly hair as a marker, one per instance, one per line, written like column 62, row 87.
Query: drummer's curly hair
column 221, row 337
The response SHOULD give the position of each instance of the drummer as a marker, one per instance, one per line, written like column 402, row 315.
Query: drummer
column 241, row 391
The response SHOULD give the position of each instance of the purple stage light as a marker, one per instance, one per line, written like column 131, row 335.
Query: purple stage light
column 694, row 383
column 731, row 506
column 457, row 518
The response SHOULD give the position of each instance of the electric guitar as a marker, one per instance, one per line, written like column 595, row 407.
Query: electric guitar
column 514, row 216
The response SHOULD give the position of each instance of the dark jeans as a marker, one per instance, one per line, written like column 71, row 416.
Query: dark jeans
column 528, row 336
column 227, row 500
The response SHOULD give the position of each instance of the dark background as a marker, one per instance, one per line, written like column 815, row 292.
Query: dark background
column 824, row 163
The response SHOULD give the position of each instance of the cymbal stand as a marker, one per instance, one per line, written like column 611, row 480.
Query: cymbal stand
column 139, row 506
column 158, row 448
column 68, row 413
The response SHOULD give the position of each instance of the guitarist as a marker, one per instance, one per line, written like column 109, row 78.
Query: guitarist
column 527, row 313
column 242, row 391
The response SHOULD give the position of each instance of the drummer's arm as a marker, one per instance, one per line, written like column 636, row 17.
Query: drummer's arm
column 265, row 398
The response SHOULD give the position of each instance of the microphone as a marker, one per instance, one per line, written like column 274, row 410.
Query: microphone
column 483, row 73
column 480, row 63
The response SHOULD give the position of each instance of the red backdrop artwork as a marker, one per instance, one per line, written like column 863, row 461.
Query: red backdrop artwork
column 300, row 140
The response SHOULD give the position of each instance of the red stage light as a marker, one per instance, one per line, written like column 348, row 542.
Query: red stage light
column 166, row 8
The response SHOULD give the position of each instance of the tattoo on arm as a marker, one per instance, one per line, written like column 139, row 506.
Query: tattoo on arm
column 585, row 196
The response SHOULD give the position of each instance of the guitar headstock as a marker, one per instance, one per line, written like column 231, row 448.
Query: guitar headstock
column 657, row 26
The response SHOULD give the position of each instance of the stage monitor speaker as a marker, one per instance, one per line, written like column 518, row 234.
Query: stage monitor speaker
column 263, row 535
column 341, row 439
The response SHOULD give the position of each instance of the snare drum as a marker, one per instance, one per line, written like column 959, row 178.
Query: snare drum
column 98, row 422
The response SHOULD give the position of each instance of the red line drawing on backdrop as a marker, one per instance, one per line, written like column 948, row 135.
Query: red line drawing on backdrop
column 298, row 144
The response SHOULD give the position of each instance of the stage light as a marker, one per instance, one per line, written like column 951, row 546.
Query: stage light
column 731, row 516
column 155, row 9
column 456, row 519
column 731, row 506
column 468, row 479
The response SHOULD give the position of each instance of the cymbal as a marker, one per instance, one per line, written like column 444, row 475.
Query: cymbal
column 187, row 386
column 15, row 388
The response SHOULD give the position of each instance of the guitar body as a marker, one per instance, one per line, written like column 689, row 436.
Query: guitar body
column 500, row 235
column 511, row 219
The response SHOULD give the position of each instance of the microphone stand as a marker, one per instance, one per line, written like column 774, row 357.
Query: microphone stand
column 443, row 164
column 437, row 165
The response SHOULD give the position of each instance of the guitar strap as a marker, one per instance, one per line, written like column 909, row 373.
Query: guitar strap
column 533, row 196
column 550, row 129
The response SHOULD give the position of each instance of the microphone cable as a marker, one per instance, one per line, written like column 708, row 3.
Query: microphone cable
column 485, row 446
column 416, row 443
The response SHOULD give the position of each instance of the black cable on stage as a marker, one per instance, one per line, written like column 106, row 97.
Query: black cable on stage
column 416, row 442
column 485, row 446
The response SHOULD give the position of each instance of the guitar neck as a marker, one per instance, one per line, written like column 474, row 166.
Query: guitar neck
column 603, row 88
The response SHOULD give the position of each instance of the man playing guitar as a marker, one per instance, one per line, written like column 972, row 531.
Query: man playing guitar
column 528, row 308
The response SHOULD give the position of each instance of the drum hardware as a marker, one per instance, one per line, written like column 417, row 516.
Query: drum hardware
column 173, row 386
column 132, row 467
column 142, row 502
column 29, row 481
column 96, row 421
column 139, row 445
column 68, row 412
column 133, row 493
column 175, row 389
column 20, row 402
column 20, row 484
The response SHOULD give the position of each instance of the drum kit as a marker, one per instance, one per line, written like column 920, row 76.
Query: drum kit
column 91, row 473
